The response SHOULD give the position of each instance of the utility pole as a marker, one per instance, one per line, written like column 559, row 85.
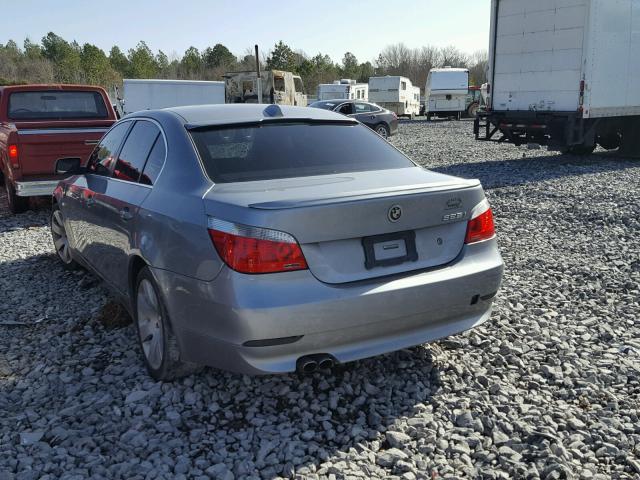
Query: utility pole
column 259, row 81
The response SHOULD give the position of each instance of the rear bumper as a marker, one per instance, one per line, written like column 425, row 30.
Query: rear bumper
column 214, row 320
column 35, row 188
column 393, row 127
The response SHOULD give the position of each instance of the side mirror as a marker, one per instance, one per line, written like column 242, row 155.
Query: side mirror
column 68, row 166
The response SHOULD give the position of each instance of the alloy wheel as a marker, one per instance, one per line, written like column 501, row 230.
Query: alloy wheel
column 60, row 240
column 150, row 323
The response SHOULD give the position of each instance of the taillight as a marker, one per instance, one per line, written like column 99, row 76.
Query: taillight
column 481, row 226
column 248, row 249
column 13, row 152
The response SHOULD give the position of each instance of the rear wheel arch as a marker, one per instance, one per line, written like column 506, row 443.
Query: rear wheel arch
column 136, row 264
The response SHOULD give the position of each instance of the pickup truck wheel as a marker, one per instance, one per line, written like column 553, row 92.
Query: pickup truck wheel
column 60, row 240
column 16, row 204
column 157, row 340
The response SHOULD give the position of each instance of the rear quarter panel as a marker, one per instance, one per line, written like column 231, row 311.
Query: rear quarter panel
column 172, row 224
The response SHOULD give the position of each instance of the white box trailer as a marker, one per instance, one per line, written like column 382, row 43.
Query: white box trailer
column 346, row 88
column 446, row 90
column 148, row 94
column 395, row 93
column 564, row 73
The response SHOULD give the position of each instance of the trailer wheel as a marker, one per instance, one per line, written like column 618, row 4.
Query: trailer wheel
column 16, row 204
column 609, row 142
column 578, row 150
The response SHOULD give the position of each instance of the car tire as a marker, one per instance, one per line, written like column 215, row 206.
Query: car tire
column 382, row 130
column 158, row 343
column 15, row 203
column 61, row 240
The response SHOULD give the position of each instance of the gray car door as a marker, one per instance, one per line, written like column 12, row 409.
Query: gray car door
column 120, row 202
column 364, row 112
column 78, row 203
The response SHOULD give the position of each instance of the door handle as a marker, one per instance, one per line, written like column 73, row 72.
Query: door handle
column 125, row 214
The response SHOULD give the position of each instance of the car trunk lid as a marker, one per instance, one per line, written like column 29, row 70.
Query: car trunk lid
column 358, row 226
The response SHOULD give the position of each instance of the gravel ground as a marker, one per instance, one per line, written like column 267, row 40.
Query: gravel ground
column 549, row 388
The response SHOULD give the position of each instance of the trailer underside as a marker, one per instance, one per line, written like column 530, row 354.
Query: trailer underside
column 564, row 131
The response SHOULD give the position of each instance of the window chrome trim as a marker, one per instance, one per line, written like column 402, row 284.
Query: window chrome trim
column 166, row 151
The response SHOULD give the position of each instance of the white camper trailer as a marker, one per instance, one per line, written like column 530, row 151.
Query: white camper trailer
column 346, row 89
column 446, row 92
column 148, row 94
column 395, row 93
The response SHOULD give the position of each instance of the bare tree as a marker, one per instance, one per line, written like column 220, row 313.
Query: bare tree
column 478, row 65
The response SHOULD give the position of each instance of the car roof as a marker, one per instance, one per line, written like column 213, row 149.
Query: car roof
column 339, row 101
column 226, row 114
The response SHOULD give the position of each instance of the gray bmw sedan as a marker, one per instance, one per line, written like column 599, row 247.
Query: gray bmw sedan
column 267, row 239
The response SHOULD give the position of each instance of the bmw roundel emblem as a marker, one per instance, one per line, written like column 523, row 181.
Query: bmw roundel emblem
column 394, row 213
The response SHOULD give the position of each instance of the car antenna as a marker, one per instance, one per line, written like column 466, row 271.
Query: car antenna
column 272, row 111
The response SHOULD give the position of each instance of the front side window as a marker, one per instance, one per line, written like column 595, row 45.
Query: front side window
column 278, row 84
column 346, row 109
column 403, row 85
column 135, row 151
column 294, row 149
column 56, row 105
column 103, row 156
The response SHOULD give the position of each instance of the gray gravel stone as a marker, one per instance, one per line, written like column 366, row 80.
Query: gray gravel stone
column 548, row 387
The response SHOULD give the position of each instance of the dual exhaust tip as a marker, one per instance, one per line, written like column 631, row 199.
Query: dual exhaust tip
column 315, row 362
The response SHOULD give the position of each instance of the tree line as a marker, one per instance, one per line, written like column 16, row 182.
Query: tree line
column 56, row 60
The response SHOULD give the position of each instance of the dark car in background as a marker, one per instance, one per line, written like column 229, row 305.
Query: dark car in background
column 380, row 120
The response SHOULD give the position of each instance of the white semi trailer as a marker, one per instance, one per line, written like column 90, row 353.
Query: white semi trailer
column 148, row 94
column 564, row 73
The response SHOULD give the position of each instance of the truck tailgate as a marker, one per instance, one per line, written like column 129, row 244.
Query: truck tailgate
column 40, row 148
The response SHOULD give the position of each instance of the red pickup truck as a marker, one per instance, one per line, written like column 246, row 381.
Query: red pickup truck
column 41, row 124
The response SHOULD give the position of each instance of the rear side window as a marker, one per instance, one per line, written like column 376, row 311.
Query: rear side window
column 293, row 150
column 103, row 156
column 56, row 105
column 154, row 162
column 135, row 151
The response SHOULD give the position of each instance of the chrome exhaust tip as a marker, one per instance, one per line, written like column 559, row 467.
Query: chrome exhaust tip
column 326, row 363
column 308, row 366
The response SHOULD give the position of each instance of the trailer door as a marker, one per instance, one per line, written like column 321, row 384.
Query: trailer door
column 538, row 55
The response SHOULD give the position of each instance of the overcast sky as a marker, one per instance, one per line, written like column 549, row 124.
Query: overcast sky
column 326, row 26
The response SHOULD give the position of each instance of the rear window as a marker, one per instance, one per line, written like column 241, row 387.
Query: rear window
column 56, row 105
column 293, row 150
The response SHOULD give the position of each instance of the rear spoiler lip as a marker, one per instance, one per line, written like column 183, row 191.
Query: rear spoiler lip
column 270, row 121
column 366, row 195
